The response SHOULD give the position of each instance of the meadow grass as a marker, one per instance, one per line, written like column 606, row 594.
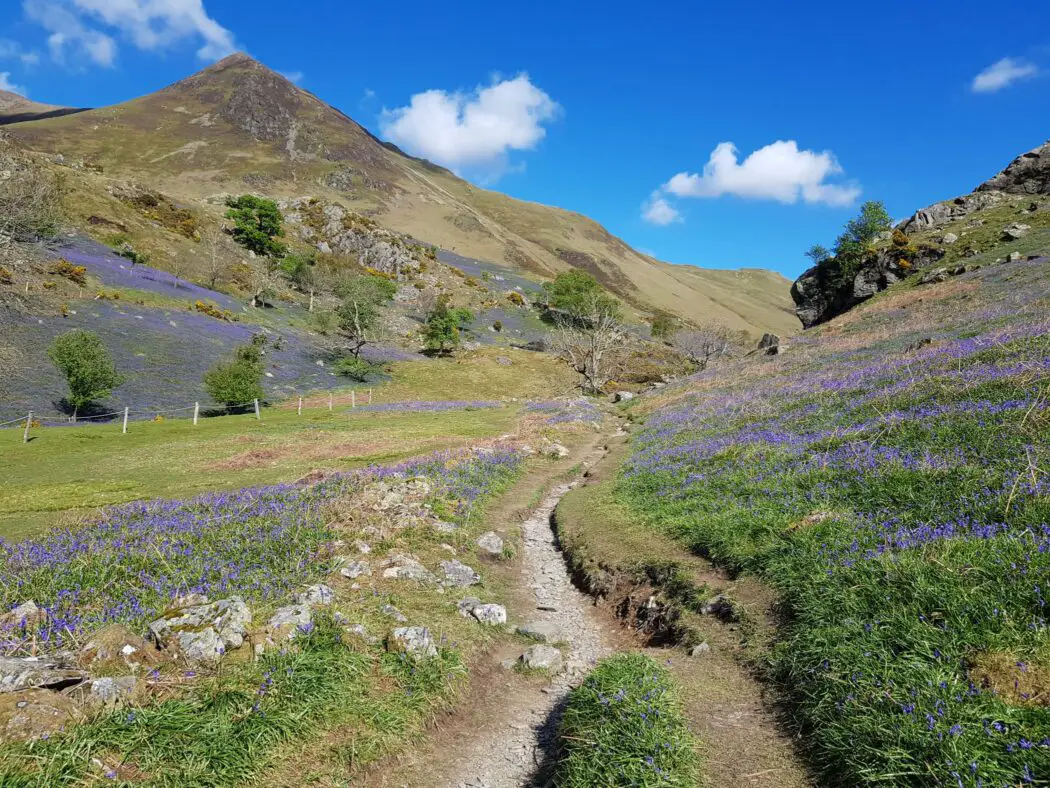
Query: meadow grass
column 889, row 479
column 624, row 726
column 68, row 472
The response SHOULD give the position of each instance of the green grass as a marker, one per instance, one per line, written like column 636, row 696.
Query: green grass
column 232, row 727
column 65, row 472
column 624, row 727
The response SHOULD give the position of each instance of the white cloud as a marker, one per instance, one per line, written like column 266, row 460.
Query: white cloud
column 292, row 76
column 779, row 171
column 656, row 210
column 472, row 130
column 1002, row 74
column 9, row 86
column 12, row 50
column 149, row 25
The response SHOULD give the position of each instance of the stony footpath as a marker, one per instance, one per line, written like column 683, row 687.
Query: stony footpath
column 511, row 751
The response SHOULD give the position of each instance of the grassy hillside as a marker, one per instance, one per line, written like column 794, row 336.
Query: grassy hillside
column 888, row 476
column 238, row 126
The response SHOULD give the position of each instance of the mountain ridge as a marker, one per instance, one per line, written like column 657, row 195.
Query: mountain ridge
column 239, row 126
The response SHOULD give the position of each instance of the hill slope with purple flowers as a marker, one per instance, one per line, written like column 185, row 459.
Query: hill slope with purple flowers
column 889, row 476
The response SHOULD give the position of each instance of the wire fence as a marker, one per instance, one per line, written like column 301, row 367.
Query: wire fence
column 195, row 411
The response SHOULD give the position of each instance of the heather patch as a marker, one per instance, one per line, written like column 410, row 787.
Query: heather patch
column 928, row 452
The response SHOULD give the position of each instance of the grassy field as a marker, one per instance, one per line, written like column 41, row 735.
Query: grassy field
column 66, row 472
column 888, row 477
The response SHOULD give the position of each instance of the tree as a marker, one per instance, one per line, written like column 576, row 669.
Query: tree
column 87, row 365
column 704, row 344
column 256, row 224
column 854, row 243
column 358, row 313
column 574, row 294
column 663, row 325
column 238, row 381
column 592, row 341
column 441, row 333
column 299, row 269
column 818, row 254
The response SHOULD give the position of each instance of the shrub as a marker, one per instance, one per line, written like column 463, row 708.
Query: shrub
column 30, row 204
column 5, row 276
column 299, row 269
column 497, row 326
column 74, row 273
column 441, row 334
column 624, row 727
column 87, row 366
column 256, row 224
column 516, row 298
column 354, row 368
column 237, row 382
column 664, row 325
column 213, row 311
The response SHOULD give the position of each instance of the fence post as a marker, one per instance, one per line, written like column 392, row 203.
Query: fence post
column 257, row 408
column 329, row 401
column 29, row 421
column 124, row 429
column 196, row 412
column 353, row 398
column 300, row 413
column 370, row 396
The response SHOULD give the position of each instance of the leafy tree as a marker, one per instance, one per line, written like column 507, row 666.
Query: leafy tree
column 358, row 314
column 299, row 269
column 256, row 224
column 576, row 293
column 444, row 325
column 87, row 365
column 854, row 244
column 818, row 254
column 664, row 325
column 238, row 381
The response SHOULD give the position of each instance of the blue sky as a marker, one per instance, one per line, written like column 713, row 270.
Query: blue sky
column 615, row 109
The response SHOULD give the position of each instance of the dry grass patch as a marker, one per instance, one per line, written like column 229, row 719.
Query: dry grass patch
column 1016, row 681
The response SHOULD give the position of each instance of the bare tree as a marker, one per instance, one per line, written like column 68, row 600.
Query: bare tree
column 592, row 343
column 214, row 265
column 30, row 204
column 704, row 344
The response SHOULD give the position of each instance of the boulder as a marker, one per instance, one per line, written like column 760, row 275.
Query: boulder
column 935, row 276
column 949, row 238
column 543, row 631
column 203, row 633
column 556, row 450
column 115, row 648
column 21, row 673
column 356, row 569
column 289, row 621
column 699, row 650
column 459, row 574
column 490, row 613
column 466, row 605
column 110, row 693
column 490, row 543
column 1015, row 232
column 416, row 642
column 768, row 341
column 320, row 594
column 406, row 567
column 623, row 396
column 542, row 657
column 33, row 713
column 1014, row 257
column 25, row 616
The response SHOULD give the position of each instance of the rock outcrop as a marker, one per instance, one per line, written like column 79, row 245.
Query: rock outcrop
column 1029, row 173
column 820, row 295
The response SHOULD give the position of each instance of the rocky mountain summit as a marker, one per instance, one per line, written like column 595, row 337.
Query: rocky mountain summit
column 1005, row 218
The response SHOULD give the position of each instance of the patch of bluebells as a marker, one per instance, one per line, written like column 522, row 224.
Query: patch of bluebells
column 898, row 495
column 262, row 543
column 567, row 411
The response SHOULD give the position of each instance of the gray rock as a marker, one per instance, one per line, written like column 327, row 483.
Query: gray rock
column 111, row 692
column 459, row 574
column 935, row 276
column 556, row 450
column 542, row 658
column 1028, row 174
column 361, row 631
column 20, row 673
column 394, row 613
column 466, row 605
column 406, row 567
column 490, row 543
column 289, row 621
column 768, row 341
column 204, row 632
column 623, row 396
column 26, row 615
column 491, row 614
column 1015, row 232
column 324, row 248
column 320, row 594
column 1014, row 257
column 699, row 650
column 414, row 641
column 363, row 547
column 356, row 569
column 949, row 238
column 543, row 631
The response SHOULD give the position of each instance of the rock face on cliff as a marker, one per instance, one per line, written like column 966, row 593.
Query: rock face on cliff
column 820, row 294
column 1029, row 173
